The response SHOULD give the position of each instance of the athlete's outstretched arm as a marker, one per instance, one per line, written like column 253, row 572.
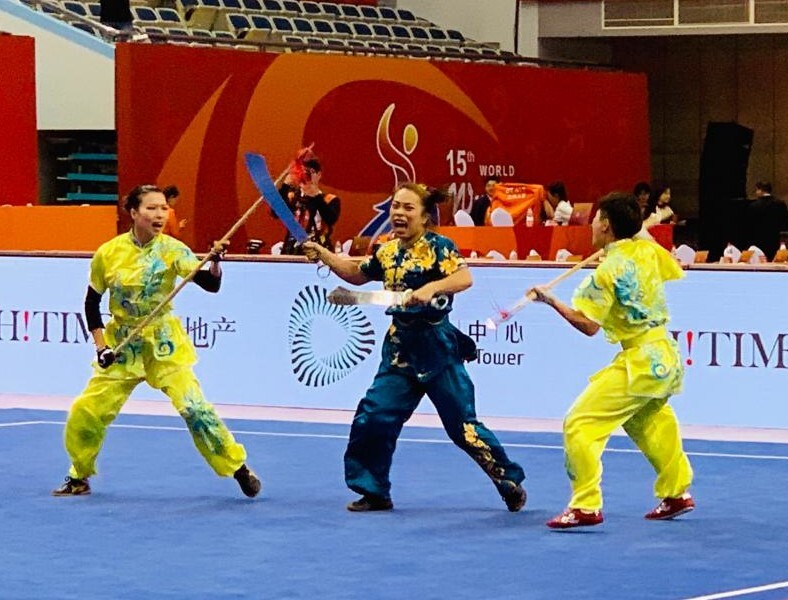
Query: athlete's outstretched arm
column 345, row 268
column 574, row 317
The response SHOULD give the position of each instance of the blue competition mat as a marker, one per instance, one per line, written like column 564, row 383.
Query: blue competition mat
column 160, row 524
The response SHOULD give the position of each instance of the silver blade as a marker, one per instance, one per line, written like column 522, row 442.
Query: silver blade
column 345, row 296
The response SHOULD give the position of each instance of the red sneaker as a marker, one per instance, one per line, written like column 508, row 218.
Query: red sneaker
column 574, row 517
column 670, row 508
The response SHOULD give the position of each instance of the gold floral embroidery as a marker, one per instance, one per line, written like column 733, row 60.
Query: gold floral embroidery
column 389, row 281
column 481, row 452
column 421, row 257
column 387, row 254
column 451, row 263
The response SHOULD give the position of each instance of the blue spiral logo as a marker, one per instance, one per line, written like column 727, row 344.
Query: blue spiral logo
column 327, row 341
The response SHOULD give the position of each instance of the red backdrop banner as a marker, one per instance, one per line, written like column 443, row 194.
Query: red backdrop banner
column 186, row 116
column 18, row 131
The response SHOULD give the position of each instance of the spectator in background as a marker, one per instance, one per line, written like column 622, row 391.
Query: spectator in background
column 642, row 192
column 173, row 225
column 117, row 14
column 557, row 209
column 658, row 211
column 481, row 204
column 765, row 217
column 316, row 211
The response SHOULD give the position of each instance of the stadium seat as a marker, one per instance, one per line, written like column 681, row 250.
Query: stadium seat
column 343, row 29
column 261, row 22
column 277, row 7
column 438, row 35
column 331, row 9
column 303, row 26
column 336, row 45
column 382, row 31
column 316, row 43
column 171, row 17
column 51, row 7
column 77, row 8
column 420, row 34
column 261, row 29
column 252, row 5
column 151, row 30
column 361, row 30
column 453, row 52
column 349, row 12
column 323, row 27
column 312, row 9
column 177, row 31
column 223, row 35
column 293, row 42
column 273, row 7
column 357, row 45
column 371, row 13
column 388, row 14
column 400, row 32
column 463, row 219
column 143, row 16
column 501, row 218
column 237, row 24
column 405, row 16
column 455, row 36
column 282, row 26
column 292, row 7
column 84, row 27
column 685, row 254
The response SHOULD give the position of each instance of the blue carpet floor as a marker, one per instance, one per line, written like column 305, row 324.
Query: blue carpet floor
column 160, row 524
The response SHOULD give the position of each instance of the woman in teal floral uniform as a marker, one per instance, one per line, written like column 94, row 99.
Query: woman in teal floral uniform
column 139, row 269
column 423, row 353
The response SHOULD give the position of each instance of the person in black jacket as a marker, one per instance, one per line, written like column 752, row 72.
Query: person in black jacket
column 481, row 204
column 117, row 14
column 315, row 210
column 765, row 217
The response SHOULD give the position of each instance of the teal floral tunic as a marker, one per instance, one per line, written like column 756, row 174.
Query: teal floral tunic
column 421, row 339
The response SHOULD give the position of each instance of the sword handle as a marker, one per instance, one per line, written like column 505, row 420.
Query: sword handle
column 440, row 301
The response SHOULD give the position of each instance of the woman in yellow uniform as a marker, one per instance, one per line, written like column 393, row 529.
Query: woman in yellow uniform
column 625, row 297
column 139, row 269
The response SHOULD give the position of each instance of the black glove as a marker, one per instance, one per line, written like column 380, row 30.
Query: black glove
column 105, row 357
column 217, row 256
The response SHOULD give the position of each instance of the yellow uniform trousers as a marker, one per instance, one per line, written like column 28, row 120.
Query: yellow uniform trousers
column 632, row 392
column 148, row 360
